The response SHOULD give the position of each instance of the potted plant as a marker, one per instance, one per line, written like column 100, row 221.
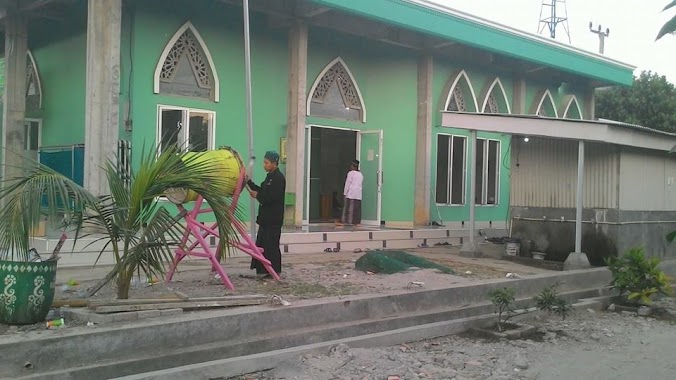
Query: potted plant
column 139, row 230
column 637, row 278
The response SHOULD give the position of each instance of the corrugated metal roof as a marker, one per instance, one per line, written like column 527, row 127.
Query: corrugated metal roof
column 635, row 126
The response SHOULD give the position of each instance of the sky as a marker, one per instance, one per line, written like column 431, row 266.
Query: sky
column 633, row 27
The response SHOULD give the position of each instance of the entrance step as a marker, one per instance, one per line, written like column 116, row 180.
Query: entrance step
column 86, row 251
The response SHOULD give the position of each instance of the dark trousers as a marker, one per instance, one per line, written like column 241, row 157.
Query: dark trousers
column 268, row 239
column 351, row 212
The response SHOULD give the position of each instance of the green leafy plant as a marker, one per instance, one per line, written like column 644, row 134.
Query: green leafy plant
column 670, row 26
column 137, row 226
column 549, row 300
column 504, row 302
column 638, row 278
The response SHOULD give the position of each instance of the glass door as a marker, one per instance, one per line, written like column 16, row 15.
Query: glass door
column 370, row 146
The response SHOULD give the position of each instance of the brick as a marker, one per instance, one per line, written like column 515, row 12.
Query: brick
column 170, row 312
column 149, row 314
column 123, row 317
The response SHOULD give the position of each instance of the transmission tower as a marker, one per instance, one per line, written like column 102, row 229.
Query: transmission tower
column 553, row 13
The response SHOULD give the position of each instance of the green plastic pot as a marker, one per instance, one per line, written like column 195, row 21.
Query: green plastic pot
column 26, row 291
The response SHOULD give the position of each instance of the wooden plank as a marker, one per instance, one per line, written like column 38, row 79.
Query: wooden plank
column 148, row 301
column 70, row 303
column 181, row 295
column 191, row 305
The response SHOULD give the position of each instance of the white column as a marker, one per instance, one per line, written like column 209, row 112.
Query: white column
column 295, row 133
column 472, row 185
column 102, row 91
column 14, row 107
column 578, row 259
column 471, row 248
column 579, row 197
column 423, row 148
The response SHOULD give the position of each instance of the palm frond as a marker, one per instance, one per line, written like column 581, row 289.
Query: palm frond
column 668, row 28
column 670, row 5
column 40, row 192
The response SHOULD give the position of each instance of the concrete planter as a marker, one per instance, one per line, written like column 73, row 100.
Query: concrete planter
column 26, row 291
column 514, row 330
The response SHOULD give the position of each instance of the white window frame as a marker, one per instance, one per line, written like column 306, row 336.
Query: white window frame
column 183, row 137
column 27, row 142
column 484, row 170
column 449, row 181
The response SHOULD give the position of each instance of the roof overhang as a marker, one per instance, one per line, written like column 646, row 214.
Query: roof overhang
column 452, row 25
column 568, row 129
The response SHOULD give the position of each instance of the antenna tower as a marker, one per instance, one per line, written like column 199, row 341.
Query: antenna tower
column 553, row 13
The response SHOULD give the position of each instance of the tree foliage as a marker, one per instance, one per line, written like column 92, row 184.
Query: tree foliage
column 650, row 102
column 670, row 26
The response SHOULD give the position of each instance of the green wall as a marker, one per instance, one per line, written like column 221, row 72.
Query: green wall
column 387, row 79
column 386, row 76
column 221, row 30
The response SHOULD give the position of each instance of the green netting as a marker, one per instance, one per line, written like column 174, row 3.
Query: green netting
column 395, row 262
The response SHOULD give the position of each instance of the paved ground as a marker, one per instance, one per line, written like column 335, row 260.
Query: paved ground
column 590, row 345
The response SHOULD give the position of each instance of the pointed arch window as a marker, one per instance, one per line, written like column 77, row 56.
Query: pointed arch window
column 572, row 108
column 186, row 67
column 460, row 96
column 335, row 94
column 33, row 85
column 495, row 98
column 545, row 105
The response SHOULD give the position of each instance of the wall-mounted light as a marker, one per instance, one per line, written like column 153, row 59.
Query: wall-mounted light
column 526, row 139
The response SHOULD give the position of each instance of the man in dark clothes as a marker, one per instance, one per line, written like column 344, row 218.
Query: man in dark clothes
column 270, row 195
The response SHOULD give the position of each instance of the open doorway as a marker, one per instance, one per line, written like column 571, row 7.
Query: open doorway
column 331, row 151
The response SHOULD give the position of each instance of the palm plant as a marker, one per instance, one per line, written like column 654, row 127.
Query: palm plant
column 137, row 227
column 670, row 26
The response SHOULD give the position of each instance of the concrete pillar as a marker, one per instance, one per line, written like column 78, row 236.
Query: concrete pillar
column 14, row 112
column 519, row 96
column 471, row 248
column 590, row 104
column 102, row 91
column 578, row 259
column 423, row 155
column 295, row 132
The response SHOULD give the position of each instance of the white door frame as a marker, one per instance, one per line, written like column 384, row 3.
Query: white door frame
column 308, row 155
column 39, row 121
column 379, row 173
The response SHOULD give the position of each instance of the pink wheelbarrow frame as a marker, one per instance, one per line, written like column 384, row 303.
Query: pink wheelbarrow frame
column 200, row 232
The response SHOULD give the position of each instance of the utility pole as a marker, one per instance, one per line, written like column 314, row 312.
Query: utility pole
column 602, row 36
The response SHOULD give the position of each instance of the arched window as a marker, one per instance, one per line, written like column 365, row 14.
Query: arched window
column 460, row 94
column 335, row 94
column 33, row 85
column 545, row 105
column 572, row 108
column 186, row 68
column 495, row 100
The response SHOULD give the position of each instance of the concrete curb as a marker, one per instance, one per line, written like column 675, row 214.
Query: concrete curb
column 268, row 360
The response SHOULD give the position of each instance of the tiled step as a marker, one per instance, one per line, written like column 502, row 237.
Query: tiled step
column 86, row 251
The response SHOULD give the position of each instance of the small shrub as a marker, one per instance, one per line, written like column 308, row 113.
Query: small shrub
column 549, row 300
column 638, row 278
column 503, row 300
